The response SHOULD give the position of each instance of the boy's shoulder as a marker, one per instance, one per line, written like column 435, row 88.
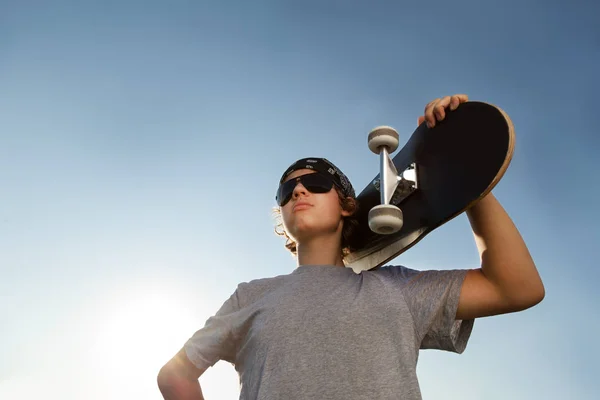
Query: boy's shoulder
column 406, row 275
column 397, row 272
column 249, row 291
column 264, row 282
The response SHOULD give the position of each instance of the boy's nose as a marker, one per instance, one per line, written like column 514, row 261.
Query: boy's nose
column 299, row 189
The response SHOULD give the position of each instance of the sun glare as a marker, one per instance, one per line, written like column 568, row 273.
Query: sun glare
column 139, row 332
column 142, row 331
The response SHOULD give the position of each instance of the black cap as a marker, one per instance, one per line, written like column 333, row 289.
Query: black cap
column 325, row 167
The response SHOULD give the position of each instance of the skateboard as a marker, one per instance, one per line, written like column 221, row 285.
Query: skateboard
column 437, row 175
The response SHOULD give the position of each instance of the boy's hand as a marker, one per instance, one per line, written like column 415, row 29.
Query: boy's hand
column 436, row 110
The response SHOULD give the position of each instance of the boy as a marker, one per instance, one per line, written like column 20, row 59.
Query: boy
column 324, row 332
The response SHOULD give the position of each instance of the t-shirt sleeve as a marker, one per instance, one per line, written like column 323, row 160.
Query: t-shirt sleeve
column 432, row 297
column 217, row 340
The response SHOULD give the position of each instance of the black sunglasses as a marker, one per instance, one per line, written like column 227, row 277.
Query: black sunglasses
column 314, row 183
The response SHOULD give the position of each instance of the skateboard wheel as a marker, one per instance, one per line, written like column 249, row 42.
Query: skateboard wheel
column 383, row 136
column 385, row 219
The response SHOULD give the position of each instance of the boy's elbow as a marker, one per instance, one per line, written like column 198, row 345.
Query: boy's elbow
column 541, row 292
column 538, row 295
column 178, row 379
column 536, row 292
column 173, row 386
column 528, row 298
column 166, row 379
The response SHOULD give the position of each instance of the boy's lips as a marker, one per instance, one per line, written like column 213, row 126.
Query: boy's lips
column 301, row 205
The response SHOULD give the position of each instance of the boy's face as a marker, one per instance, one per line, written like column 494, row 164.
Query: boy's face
column 310, row 214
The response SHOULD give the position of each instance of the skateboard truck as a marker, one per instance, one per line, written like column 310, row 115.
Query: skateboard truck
column 405, row 185
column 386, row 218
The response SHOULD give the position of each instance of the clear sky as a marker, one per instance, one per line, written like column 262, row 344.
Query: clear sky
column 141, row 143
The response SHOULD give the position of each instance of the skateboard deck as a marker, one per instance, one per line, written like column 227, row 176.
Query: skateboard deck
column 437, row 175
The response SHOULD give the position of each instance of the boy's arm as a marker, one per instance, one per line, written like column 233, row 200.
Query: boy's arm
column 178, row 379
column 508, row 280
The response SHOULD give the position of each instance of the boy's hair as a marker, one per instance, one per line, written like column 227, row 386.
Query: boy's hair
column 350, row 223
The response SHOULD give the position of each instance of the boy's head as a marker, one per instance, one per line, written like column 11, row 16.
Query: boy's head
column 315, row 198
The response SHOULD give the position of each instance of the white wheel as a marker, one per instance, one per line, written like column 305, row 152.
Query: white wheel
column 385, row 219
column 383, row 136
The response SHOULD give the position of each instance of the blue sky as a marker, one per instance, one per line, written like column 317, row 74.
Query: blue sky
column 141, row 142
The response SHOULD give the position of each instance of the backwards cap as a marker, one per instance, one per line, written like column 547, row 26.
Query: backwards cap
column 325, row 167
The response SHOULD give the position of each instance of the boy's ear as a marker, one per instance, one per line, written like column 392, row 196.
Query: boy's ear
column 349, row 206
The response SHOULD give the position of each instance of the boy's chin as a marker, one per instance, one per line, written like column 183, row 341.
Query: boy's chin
column 306, row 234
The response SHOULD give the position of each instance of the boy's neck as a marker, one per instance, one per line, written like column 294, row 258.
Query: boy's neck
column 320, row 251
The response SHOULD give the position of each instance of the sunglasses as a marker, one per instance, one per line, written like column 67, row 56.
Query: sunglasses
column 314, row 183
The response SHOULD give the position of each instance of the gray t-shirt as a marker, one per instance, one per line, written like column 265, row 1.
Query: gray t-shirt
column 325, row 332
